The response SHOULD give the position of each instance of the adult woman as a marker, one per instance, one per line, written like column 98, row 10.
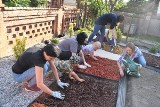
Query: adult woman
column 135, row 54
column 72, row 46
column 31, row 66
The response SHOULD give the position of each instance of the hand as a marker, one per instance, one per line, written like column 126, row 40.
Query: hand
column 81, row 80
column 58, row 95
column 140, row 68
column 71, row 78
column 62, row 84
column 85, row 63
column 95, row 58
column 121, row 73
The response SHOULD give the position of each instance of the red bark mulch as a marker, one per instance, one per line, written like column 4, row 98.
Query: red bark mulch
column 103, row 67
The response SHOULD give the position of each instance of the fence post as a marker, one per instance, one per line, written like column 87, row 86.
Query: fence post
column 148, row 20
column 60, row 21
column 3, row 33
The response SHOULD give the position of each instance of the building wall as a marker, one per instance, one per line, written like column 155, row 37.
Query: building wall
column 143, row 25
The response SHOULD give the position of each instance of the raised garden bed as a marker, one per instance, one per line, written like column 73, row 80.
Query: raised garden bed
column 100, row 88
column 94, row 92
column 152, row 59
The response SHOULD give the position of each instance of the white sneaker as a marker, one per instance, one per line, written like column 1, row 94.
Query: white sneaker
column 82, row 66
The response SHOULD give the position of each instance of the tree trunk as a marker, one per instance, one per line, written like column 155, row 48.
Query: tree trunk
column 112, row 4
column 85, row 15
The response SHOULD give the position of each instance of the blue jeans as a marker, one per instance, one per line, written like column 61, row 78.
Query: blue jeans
column 140, row 60
column 95, row 31
column 29, row 75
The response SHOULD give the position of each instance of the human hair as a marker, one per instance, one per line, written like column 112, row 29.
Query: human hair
column 50, row 50
column 131, row 46
column 81, row 38
column 97, row 45
column 120, row 18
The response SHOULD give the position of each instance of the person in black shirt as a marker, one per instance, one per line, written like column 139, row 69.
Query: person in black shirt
column 108, row 18
column 31, row 66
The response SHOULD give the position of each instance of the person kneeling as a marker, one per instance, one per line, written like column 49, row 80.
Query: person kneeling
column 66, row 66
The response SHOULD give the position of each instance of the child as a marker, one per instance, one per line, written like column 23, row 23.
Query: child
column 110, row 39
column 89, row 49
column 67, row 66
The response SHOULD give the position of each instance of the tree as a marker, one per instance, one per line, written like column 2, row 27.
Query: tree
column 91, row 9
column 134, row 6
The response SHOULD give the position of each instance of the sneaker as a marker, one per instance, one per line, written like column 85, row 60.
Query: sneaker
column 32, row 88
column 82, row 66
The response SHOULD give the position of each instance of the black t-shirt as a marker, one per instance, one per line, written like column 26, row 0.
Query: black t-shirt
column 30, row 58
column 109, row 18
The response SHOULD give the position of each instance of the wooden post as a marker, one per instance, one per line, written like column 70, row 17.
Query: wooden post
column 3, row 33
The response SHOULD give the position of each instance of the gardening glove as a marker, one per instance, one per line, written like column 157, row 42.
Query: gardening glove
column 85, row 63
column 58, row 95
column 62, row 84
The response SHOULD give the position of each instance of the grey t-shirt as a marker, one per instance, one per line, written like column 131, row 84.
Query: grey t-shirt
column 69, row 44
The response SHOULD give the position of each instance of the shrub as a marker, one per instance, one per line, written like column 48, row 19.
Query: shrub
column 84, row 30
column 152, row 50
column 54, row 41
column 119, row 34
column 19, row 48
column 17, row 3
column 71, row 31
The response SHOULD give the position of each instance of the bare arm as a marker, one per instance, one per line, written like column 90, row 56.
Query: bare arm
column 120, row 68
column 73, row 54
column 54, row 69
column 39, row 80
column 72, row 73
column 92, row 56
column 84, row 61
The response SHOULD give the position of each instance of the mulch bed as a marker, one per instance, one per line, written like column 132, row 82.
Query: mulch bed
column 103, row 67
column 94, row 92
column 99, row 89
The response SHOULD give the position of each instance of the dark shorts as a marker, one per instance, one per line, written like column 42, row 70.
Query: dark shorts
column 65, row 55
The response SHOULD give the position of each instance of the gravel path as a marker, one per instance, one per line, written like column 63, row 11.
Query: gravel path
column 12, row 94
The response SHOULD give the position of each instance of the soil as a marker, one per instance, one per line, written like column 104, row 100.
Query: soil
column 103, row 67
column 94, row 92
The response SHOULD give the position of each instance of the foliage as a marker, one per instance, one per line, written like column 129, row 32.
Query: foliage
column 19, row 48
column 54, row 41
column 24, row 3
column 119, row 34
column 152, row 50
column 34, row 3
column 134, row 6
column 84, row 30
column 120, row 4
column 97, row 8
column 17, row 3
column 70, row 30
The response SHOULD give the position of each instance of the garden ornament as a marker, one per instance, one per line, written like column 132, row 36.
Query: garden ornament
column 131, row 67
